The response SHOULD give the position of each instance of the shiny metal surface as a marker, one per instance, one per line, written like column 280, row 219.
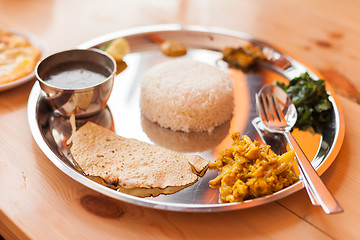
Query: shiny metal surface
column 85, row 101
column 123, row 115
column 272, row 102
column 278, row 114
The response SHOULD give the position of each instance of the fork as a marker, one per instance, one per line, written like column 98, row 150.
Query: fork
column 269, row 102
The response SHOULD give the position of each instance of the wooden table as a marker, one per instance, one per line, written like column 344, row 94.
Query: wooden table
column 38, row 201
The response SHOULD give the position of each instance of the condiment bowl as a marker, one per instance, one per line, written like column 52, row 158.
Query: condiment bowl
column 77, row 81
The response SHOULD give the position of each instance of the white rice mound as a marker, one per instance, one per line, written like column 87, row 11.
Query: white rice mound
column 187, row 95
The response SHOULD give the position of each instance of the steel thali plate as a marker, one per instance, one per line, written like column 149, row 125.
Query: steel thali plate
column 123, row 114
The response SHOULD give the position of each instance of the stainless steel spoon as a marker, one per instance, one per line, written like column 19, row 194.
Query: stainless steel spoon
column 278, row 114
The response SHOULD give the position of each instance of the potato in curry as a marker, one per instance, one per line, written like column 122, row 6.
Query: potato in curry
column 250, row 170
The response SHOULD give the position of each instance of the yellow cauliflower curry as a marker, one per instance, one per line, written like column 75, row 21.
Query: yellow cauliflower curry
column 250, row 170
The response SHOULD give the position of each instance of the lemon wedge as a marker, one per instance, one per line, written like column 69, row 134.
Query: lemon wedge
column 118, row 48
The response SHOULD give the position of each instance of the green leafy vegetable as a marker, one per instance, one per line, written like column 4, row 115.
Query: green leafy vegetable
column 105, row 46
column 311, row 101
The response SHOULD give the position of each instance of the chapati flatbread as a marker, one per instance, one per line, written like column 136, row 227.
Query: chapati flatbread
column 132, row 166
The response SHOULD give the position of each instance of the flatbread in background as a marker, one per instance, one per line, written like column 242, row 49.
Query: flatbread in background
column 18, row 57
column 132, row 166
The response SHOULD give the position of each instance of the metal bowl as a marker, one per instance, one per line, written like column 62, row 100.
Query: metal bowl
column 84, row 101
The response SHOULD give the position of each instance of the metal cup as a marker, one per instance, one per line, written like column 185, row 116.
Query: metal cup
column 82, row 102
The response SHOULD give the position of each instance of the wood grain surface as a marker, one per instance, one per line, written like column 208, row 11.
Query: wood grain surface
column 38, row 201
